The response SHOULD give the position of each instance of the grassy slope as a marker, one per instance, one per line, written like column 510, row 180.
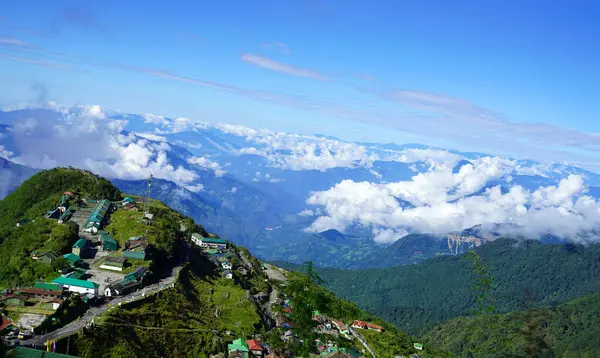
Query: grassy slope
column 180, row 321
column 570, row 330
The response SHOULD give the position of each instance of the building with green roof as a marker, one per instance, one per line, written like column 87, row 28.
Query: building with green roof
column 135, row 255
column 79, row 247
column 77, row 285
column 108, row 243
column 47, row 257
column 74, row 260
column 23, row 352
column 96, row 219
column 240, row 346
column 46, row 286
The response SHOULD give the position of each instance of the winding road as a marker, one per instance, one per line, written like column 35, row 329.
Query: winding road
column 90, row 314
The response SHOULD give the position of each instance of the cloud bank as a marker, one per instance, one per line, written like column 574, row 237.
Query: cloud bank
column 444, row 201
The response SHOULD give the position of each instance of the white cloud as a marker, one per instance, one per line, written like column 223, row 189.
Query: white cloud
column 206, row 163
column 85, row 137
column 282, row 67
column 155, row 119
column 234, row 190
column 181, row 124
column 188, row 144
column 433, row 157
column 5, row 153
column 151, row 136
column 445, row 201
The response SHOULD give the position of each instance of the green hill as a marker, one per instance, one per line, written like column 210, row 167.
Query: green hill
column 202, row 312
column 568, row 330
column 415, row 297
column 43, row 190
column 40, row 193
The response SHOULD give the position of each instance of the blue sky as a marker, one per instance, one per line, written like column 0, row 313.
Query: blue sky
column 516, row 78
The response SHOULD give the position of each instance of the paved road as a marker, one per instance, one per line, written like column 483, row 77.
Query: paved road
column 274, row 273
column 95, row 311
column 360, row 338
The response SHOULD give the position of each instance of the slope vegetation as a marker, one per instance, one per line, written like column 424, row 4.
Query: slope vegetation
column 415, row 297
column 569, row 330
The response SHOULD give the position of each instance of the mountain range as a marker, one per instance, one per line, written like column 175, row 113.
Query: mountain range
column 297, row 197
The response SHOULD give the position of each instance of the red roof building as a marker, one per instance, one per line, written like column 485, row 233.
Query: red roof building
column 366, row 325
column 254, row 345
column 4, row 322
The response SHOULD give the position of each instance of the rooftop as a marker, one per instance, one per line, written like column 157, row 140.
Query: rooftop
column 23, row 352
column 213, row 241
column 106, row 238
column 46, row 286
column 115, row 259
column 81, row 243
column 75, row 282
column 72, row 257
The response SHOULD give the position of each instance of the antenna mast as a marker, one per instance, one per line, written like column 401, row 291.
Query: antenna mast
column 147, row 198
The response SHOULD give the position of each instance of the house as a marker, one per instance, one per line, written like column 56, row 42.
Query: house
column 228, row 274
column 113, row 263
column 255, row 347
column 137, row 275
column 135, row 255
column 66, row 215
column 79, row 247
column 77, row 273
column 137, row 242
column 226, row 265
column 47, row 257
column 14, row 300
column 40, row 293
column 74, row 260
column 21, row 352
column 108, row 243
column 46, row 286
column 340, row 326
column 131, row 207
column 5, row 323
column 209, row 242
column 366, row 325
column 197, row 239
column 127, row 200
column 53, row 214
column 239, row 348
column 418, row 346
column 97, row 218
column 77, row 286
column 136, row 248
column 52, row 304
column 122, row 287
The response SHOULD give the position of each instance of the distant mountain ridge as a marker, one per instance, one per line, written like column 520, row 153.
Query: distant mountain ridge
column 252, row 185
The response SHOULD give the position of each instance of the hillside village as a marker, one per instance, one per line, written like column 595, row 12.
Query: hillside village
column 110, row 265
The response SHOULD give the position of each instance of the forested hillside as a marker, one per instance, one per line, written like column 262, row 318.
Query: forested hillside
column 415, row 297
column 569, row 330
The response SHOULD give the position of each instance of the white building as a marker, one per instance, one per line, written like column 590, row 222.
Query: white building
column 77, row 286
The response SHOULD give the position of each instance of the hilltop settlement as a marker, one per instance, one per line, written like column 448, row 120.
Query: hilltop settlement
column 129, row 257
